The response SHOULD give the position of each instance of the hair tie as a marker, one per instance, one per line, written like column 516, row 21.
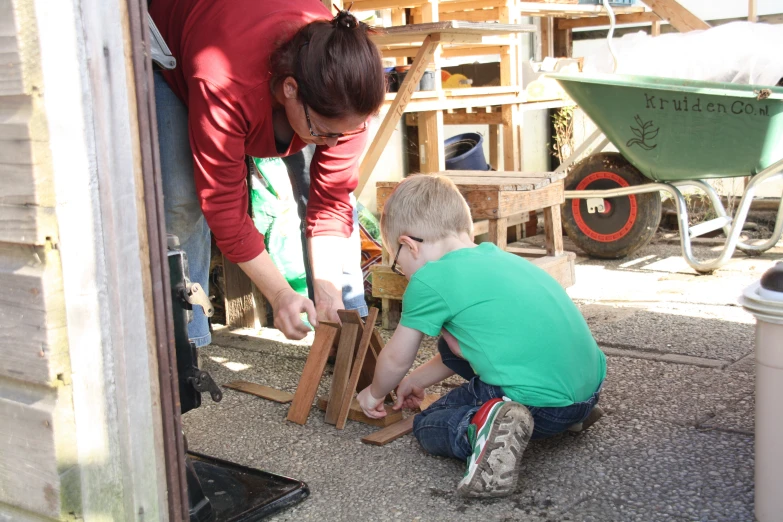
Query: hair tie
column 345, row 19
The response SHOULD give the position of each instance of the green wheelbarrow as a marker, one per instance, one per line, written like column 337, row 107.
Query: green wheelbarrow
column 671, row 133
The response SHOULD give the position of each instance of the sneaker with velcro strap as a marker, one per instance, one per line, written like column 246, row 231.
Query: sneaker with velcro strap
column 498, row 432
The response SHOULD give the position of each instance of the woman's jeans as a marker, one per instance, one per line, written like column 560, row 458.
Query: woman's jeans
column 442, row 428
column 185, row 219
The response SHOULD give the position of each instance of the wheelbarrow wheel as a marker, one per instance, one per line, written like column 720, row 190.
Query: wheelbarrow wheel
column 626, row 224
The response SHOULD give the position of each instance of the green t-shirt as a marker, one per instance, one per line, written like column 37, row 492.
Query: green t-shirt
column 515, row 324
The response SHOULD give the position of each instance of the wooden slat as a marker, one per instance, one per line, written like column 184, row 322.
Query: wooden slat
column 368, row 368
column 466, row 5
column 634, row 18
column 570, row 10
column 429, row 398
column 311, row 374
column 477, row 15
column 355, row 413
column 553, row 230
column 463, row 32
column 498, row 229
column 431, row 149
column 29, row 476
column 265, row 392
column 358, row 363
column 560, row 267
column 391, row 433
column 396, row 110
column 33, row 336
column 349, row 337
column 527, row 252
column 386, row 284
column 350, row 317
column 238, row 298
column 674, row 13
column 372, row 5
column 488, row 204
column 490, row 182
column 11, row 80
column 401, row 428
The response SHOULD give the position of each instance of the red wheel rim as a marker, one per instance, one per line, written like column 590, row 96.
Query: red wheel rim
column 579, row 219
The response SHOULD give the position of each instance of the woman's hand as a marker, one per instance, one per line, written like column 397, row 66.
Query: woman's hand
column 288, row 307
column 409, row 395
column 328, row 300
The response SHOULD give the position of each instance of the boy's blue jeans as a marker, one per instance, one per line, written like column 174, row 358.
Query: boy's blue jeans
column 185, row 220
column 442, row 428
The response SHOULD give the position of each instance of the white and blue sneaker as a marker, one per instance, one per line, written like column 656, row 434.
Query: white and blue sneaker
column 499, row 432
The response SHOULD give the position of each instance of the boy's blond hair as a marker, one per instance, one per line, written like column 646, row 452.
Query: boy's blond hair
column 426, row 206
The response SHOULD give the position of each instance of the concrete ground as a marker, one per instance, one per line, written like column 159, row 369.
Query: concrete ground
column 676, row 443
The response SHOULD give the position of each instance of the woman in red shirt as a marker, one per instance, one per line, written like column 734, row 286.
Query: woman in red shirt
column 265, row 79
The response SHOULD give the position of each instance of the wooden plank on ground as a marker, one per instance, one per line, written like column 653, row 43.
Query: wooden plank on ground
column 358, row 363
column 674, row 13
column 355, row 413
column 265, row 392
column 349, row 337
column 390, row 433
column 311, row 375
column 399, row 429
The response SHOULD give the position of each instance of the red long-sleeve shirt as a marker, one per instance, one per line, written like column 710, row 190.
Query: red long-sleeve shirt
column 222, row 49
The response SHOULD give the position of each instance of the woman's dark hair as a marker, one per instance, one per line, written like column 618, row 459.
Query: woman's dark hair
column 336, row 65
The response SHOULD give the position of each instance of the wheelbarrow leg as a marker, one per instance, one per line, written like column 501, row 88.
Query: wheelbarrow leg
column 736, row 228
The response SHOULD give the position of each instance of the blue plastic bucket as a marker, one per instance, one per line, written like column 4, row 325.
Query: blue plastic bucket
column 465, row 152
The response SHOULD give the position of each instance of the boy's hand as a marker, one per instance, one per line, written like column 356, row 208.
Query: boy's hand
column 408, row 395
column 371, row 406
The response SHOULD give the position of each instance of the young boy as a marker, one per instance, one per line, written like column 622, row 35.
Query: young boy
column 532, row 365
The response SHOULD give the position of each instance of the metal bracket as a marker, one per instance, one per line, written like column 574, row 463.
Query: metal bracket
column 160, row 52
column 193, row 294
column 595, row 205
column 202, row 382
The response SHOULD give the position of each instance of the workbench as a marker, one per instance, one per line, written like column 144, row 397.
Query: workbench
column 496, row 200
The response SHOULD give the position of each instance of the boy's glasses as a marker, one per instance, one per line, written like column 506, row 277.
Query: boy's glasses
column 331, row 134
column 394, row 263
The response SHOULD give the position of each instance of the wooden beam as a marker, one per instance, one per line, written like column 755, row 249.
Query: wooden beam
column 395, row 112
column 477, row 15
column 498, row 229
column 265, row 392
column 634, row 18
column 753, row 14
column 391, row 433
column 311, row 374
column 349, row 339
column 468, row 5
column 674, row 13
column 239, row 299
column 358, row 363
column 553, row 230
column 431, row 149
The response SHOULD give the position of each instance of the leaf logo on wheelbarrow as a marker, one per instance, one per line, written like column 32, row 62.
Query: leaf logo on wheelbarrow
column 643, row 134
